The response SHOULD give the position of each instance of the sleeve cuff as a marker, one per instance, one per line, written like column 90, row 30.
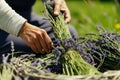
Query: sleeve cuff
column 10, row 21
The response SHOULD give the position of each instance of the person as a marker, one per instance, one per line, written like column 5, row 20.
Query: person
column 28, row 31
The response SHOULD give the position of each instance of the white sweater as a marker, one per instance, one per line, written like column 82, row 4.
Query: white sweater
column 10, row 21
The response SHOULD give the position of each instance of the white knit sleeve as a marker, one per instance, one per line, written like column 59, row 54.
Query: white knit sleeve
column 10, row 21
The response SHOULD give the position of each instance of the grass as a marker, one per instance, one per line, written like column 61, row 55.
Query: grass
column 86, row 15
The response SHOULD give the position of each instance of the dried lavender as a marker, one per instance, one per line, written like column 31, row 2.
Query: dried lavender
column 104, row 48
column 12, row 48
column 103, row 51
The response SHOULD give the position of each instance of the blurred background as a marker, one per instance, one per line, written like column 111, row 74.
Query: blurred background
column 87, row 14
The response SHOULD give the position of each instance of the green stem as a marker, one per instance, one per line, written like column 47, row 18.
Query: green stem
column 60, row 29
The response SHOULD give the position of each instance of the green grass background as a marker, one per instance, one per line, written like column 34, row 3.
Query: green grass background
column 86, row 15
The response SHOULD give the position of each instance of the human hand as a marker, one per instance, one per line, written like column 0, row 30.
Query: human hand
column 36, row 38
column 60, row 5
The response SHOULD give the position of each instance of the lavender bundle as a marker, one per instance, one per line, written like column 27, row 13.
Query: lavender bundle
column 70, row 59
column 104, row 48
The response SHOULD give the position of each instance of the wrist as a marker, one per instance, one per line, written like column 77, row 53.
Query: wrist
column 24, row 26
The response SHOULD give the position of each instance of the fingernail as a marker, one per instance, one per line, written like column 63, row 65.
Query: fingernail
column 56, row 13
column 43, row 50
column 52, row 45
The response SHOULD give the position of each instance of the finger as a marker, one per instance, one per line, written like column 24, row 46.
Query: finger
column 35, row 47
column 66, row 12
column 57, row 8
column 67, row 16
column 43, row 47
column 38, row 45
column 43, row 43
column 32, row 45
column 48, row 42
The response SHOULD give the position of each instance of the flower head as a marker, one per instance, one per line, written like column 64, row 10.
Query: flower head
column 117, row 26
